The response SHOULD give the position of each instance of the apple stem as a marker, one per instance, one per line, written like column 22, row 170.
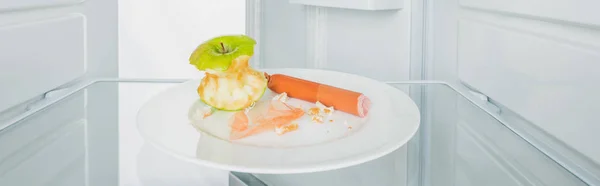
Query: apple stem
column 223, row 47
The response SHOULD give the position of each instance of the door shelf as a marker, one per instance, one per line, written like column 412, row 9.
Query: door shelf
column 354, row 4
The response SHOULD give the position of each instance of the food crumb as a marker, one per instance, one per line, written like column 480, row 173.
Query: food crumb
column 325, row 109
column 204, row 112
column 313, row 111
column 319, row 112
column 317, row 118
column 283, row 97
column 348, row 126
column 286, row 128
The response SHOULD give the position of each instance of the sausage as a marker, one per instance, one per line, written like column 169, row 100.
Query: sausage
column 341, row 99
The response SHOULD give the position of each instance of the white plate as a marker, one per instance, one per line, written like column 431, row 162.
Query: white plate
column 165, row 122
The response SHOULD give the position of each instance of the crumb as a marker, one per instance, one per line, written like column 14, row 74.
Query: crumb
column 317, row 119
column 286, row 129
column 324, row 109
column 327, row 111
column 207, row 114
column 281, row 97
column 313, row 111
column 346, row 123
column 316, row 112
column 204, row 112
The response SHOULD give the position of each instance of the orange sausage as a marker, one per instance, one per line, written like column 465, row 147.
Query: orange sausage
column 341, row 99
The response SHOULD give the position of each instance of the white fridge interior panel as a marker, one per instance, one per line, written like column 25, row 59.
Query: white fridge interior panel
column 20, row 4
column 283, row 34
column 478, row 164
column 43, row 55
column 376, row 44
column 366, row 43
column 519, row 159
column 578, row 11
column 546, row 79
column 49, row 145
column 51, row 161
column 157, row 37
column 23, row 139
column 73, row 175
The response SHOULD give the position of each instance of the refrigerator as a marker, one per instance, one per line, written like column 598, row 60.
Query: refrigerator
column 506, row 89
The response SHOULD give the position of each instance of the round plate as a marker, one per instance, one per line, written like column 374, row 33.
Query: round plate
column 167, row 122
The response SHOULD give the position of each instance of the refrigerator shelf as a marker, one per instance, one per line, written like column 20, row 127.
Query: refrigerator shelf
column 86, row 135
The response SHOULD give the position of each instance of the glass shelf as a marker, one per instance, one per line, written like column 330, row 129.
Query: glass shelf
column 89, row 138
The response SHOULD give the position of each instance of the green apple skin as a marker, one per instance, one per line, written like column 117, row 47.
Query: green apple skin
column 218, row 53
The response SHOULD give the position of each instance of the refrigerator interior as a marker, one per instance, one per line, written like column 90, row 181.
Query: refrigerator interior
column 533, row 63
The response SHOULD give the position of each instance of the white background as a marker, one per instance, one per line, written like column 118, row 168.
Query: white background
column 156, row 37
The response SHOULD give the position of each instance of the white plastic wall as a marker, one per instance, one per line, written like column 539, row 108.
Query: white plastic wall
column 45, row 44
column 537, row 60
column 48, row 43
column 156, row 37
column 371, row 43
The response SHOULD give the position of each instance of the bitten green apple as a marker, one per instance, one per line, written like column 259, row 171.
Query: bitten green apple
column 230, row 83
